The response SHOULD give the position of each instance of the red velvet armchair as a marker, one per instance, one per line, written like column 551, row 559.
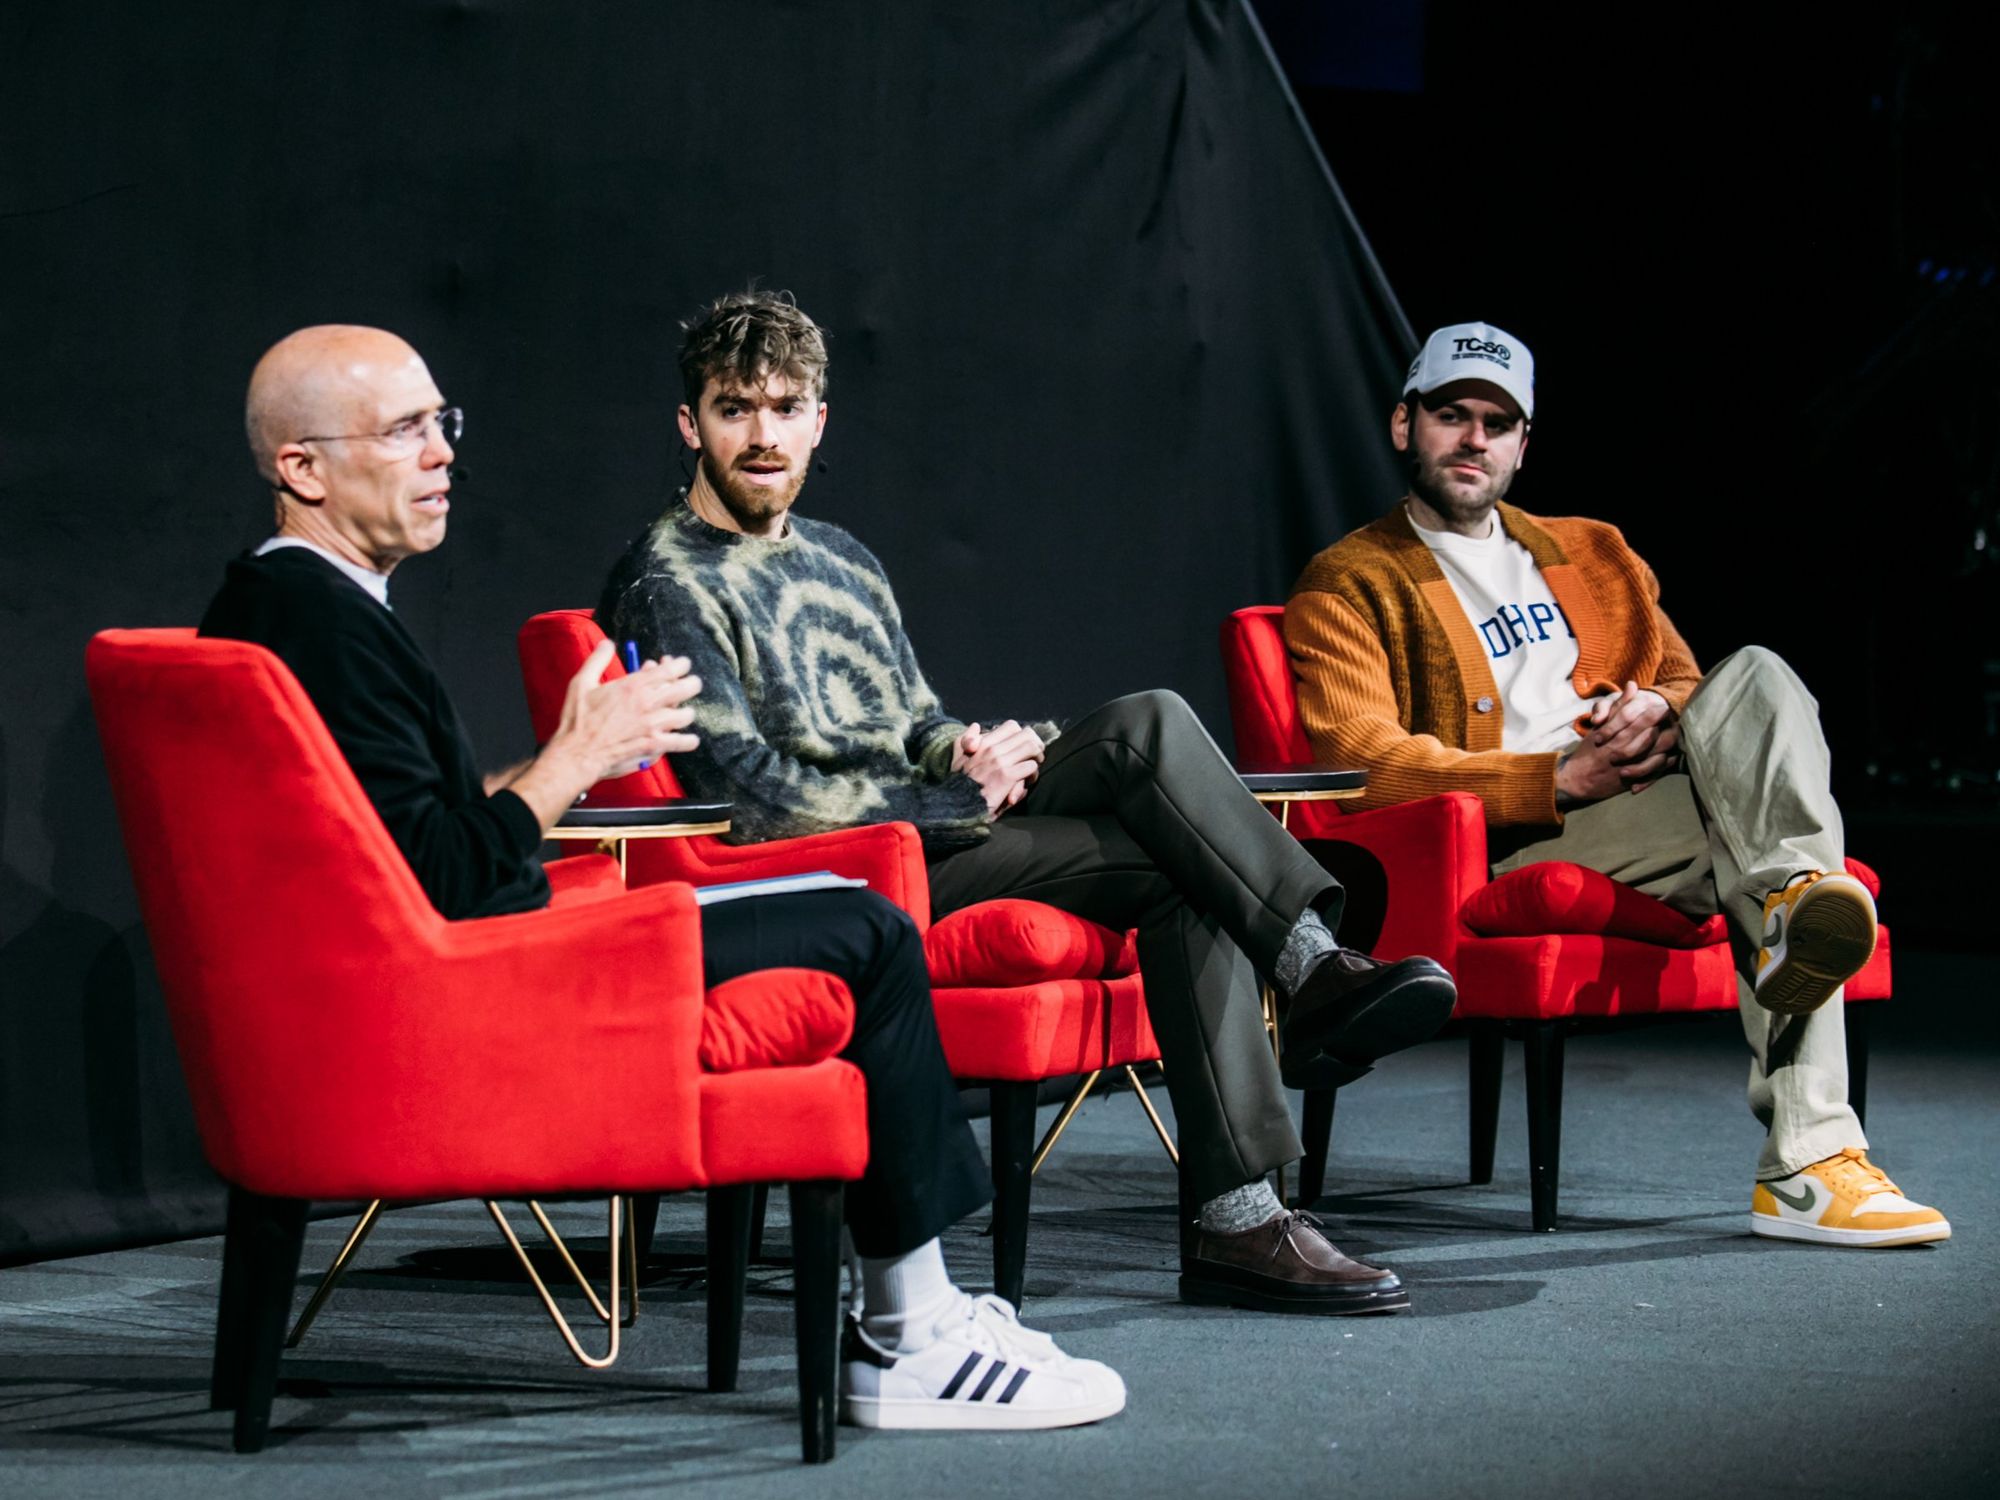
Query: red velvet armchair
column 1024, row 992
column 341, row 1040
column 1537, row 953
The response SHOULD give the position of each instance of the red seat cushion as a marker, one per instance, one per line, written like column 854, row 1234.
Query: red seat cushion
column 784, row 1124
column 1556, row 976
column 1010, row 942
column 1555, row 896
column 1032, row 1031
column 774, row 1018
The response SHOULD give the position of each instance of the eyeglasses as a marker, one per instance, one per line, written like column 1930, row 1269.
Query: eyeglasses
column 407, row 436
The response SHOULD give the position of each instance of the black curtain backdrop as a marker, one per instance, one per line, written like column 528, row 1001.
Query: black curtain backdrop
column 1110, row 357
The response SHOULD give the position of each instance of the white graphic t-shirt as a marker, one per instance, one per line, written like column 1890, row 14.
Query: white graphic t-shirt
column 1529, row 643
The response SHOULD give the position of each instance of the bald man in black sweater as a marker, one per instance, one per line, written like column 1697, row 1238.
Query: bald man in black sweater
column 351, row 433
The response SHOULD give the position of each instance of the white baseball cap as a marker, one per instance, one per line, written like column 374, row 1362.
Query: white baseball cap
column 1475, row 351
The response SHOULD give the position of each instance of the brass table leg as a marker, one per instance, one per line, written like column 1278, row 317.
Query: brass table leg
column 1271, row 1001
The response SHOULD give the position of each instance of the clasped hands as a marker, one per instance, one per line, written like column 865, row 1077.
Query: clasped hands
column 1631, row 741
column 1004, row 760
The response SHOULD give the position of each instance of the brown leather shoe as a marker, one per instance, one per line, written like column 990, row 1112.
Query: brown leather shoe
column 1287, row 1265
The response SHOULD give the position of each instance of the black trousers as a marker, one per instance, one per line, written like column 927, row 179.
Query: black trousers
column 1137, row 819
column 924, row 1168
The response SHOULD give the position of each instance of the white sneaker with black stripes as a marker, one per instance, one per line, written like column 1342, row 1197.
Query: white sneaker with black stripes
column 983, row 1370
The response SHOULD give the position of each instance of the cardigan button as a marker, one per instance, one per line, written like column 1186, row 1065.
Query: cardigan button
column 1484, row 705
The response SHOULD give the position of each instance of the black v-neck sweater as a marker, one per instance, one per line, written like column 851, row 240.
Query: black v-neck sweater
column 389, row 713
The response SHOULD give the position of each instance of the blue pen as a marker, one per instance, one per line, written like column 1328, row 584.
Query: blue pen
column 632, row 666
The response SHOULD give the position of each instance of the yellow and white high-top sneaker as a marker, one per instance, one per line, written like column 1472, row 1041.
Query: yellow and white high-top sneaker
column 1844, row 1200
column 1818, row 932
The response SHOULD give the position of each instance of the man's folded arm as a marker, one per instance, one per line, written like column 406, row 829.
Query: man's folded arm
column 462, row 855
column 1678, row 675
column 1347, row 703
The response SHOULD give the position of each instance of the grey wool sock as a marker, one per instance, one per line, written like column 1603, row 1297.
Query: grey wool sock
column 1306, row 944
column 1241, row 1208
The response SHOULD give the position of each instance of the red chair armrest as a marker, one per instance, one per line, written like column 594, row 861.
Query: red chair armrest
column 889, row 856
column 507, row 1055
column 1433, row 852
column 583, row 877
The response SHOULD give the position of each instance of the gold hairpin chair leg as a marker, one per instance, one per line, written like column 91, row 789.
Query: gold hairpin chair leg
column 1063, row 1117
column 1075, row 1102
column 1146, row 1103
column 334, row 1272
column 630, row 1246
column 626, row 1244
column 618, row 1256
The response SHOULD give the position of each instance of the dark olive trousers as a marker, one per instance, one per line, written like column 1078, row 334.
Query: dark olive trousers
column 1138, row 820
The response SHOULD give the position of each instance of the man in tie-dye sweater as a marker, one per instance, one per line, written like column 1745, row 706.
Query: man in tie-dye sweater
column 815, row 716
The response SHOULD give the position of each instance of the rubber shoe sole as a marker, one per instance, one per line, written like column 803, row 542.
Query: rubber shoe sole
column 913, row 1414
column 1207, row 1291
column 1853, row 1239
column 1830, row 937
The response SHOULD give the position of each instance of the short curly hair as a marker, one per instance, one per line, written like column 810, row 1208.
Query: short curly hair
column 745, row 338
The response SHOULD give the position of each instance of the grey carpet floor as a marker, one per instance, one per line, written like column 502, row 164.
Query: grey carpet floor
column 1648, row 1348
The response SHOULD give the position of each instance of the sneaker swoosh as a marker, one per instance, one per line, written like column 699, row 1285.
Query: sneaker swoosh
column 1803, row 1202
column 1775, row 933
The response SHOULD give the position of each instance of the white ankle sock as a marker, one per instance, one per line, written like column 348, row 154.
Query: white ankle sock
column 902, row 1296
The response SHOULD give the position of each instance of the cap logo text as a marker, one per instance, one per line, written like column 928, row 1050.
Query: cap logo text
column 1482, row 349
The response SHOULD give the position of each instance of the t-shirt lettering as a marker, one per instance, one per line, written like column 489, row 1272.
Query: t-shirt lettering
column 1529, row 642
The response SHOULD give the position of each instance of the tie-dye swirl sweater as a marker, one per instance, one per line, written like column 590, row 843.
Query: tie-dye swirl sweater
column 812, row 714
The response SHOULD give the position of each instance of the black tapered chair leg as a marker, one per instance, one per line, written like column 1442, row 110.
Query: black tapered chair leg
column 1543, row 1043
column 225, row 1378
column 1487, row 1053
column 1857, row 1058
column 1317, row 1136
column 1189, row 1210
column 267, row 1235
column 1013, row 1122
column 816, row 1208
column 760, row 1208
column 728, row 1264
column 645, row 1220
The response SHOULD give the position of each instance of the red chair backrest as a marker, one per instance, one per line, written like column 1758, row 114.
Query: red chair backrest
column 239, row 810
column 339, row 1037
column 1263, row 709
column 248, row 837
column 553, row 648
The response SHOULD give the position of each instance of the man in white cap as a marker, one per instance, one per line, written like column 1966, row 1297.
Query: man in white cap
column 1460, row 644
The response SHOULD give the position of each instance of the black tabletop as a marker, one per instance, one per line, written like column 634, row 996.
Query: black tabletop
column 662, row 813
column 1273, row 776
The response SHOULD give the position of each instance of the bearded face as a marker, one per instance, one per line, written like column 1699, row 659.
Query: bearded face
column 1462, row 455
column 756, row 485
column 755, row 446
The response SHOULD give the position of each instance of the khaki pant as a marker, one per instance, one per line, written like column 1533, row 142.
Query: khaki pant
column 1751, row 809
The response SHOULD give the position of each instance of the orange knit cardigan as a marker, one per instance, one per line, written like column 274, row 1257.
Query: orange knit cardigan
column 1391, row 675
